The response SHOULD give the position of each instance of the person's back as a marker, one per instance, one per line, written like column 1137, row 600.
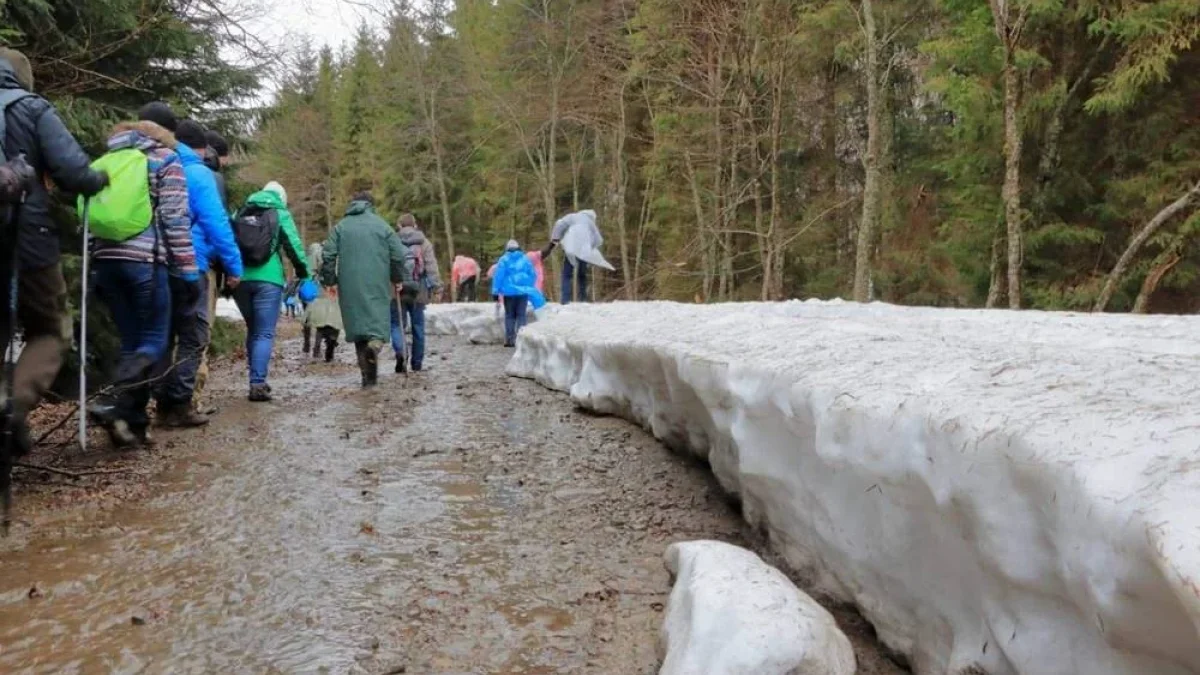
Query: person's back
column 265, row 232
column 515, row 274
column 32, row 128
column 364, row 258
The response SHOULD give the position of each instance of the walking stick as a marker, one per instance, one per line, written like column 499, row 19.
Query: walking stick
column 83, row 297
column 10, row 369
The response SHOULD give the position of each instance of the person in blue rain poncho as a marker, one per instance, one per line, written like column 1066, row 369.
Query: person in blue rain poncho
column 516, row 283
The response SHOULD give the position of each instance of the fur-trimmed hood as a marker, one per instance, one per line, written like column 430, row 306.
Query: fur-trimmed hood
column 142, row 135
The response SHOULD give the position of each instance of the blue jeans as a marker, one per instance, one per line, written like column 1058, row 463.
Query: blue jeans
column 190, row 330
column 514, row 316
column 139, row 297
column 574, row 273
column 415, row 315
column 259, row 302
column 397, row 331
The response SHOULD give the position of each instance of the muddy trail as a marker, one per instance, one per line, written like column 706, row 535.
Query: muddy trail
column 453, row 521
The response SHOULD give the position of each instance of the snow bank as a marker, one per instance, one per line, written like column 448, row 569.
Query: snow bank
column 732, row 614
column 479, row 322
column 1012, row 491
column 227, row 309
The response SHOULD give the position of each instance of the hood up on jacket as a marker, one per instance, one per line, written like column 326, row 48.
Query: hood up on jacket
column 15, row 71
column 266, row 199
column 359, row 207
column 411, row 236
column 141, row 135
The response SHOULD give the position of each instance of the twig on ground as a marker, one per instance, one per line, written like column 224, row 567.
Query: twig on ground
column 72, row 474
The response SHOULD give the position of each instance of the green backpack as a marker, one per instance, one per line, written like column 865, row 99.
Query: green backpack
column 122, row 210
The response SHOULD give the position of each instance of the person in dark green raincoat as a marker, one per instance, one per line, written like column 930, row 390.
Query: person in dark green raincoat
column 365, row 259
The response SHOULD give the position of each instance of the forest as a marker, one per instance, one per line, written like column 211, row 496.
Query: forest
column 964, row 153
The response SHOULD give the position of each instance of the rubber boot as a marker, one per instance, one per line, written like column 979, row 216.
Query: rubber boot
column 330, row 346
column 368, row 364
column 308, row 341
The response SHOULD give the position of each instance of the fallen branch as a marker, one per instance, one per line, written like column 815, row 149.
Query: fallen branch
column 70, row 474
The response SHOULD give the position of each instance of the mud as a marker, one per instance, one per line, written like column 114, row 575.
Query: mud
column 454, row 521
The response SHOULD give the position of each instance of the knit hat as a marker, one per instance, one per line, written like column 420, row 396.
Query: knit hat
column 191, row 133
column 512, row 245
column 217, row 142
column 277, row 189
column 20, row 66
column 160, row 113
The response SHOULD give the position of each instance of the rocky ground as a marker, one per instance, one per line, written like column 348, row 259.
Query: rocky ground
column 454, row 521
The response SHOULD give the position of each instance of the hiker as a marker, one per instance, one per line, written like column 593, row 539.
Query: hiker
column 539, row 268
column 514, row 282
column 314, row 263
column 413, row 301
column 215, row 158
column 30, row 126
column 324, row 316
column 364, row 258
column 574, row 276
column 464, row 277
column 140, row 265
column 265, row 233
column 212, row 239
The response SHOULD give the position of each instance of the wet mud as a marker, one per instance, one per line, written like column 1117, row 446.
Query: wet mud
column 453, row 521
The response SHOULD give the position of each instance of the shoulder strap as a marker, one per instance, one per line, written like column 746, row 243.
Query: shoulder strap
column 7, row 98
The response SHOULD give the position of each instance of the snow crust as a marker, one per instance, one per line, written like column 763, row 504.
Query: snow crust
column 227, row 309
column 480, row 322
column 732, row 614
column 1017, row 492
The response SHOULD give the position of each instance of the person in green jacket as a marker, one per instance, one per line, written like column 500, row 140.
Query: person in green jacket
column 365, row 259
column 260, row 294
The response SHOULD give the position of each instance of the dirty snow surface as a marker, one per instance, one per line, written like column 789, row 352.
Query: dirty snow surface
column 1017, row 492
column 733, row 614
column 482, row 323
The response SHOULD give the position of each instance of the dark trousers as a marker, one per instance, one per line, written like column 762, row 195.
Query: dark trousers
column 467, row 289
column 577, row 276
column 41, row 308
column 139, row 297
column 327, row 336
column 514, row 317
column 190, row 331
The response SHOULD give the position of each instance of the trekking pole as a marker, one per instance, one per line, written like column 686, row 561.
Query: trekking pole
column 83, row 297
column 10, row 370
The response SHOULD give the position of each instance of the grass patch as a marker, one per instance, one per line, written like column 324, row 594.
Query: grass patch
column 227, row 337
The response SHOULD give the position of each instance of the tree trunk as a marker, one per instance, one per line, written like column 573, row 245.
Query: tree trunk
column 435, row 140
column 1012, row 177
column 871, row 189
column 1161, row 218
column 996, row 286
column 1166, row 262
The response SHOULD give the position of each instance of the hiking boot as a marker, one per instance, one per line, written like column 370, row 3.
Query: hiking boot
column 260, row 393
column 180, row 417
column 400, row 367
column 123, row 436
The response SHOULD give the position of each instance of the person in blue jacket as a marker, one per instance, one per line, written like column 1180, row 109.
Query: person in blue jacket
column 212, row 237
column 516, row 282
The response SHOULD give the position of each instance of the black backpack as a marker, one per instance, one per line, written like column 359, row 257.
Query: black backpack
column 16, row 175
column 256, row 229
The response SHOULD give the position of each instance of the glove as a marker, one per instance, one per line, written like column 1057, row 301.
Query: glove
column 185, row 292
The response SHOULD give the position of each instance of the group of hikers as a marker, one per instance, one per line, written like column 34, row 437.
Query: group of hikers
column 164, row 243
